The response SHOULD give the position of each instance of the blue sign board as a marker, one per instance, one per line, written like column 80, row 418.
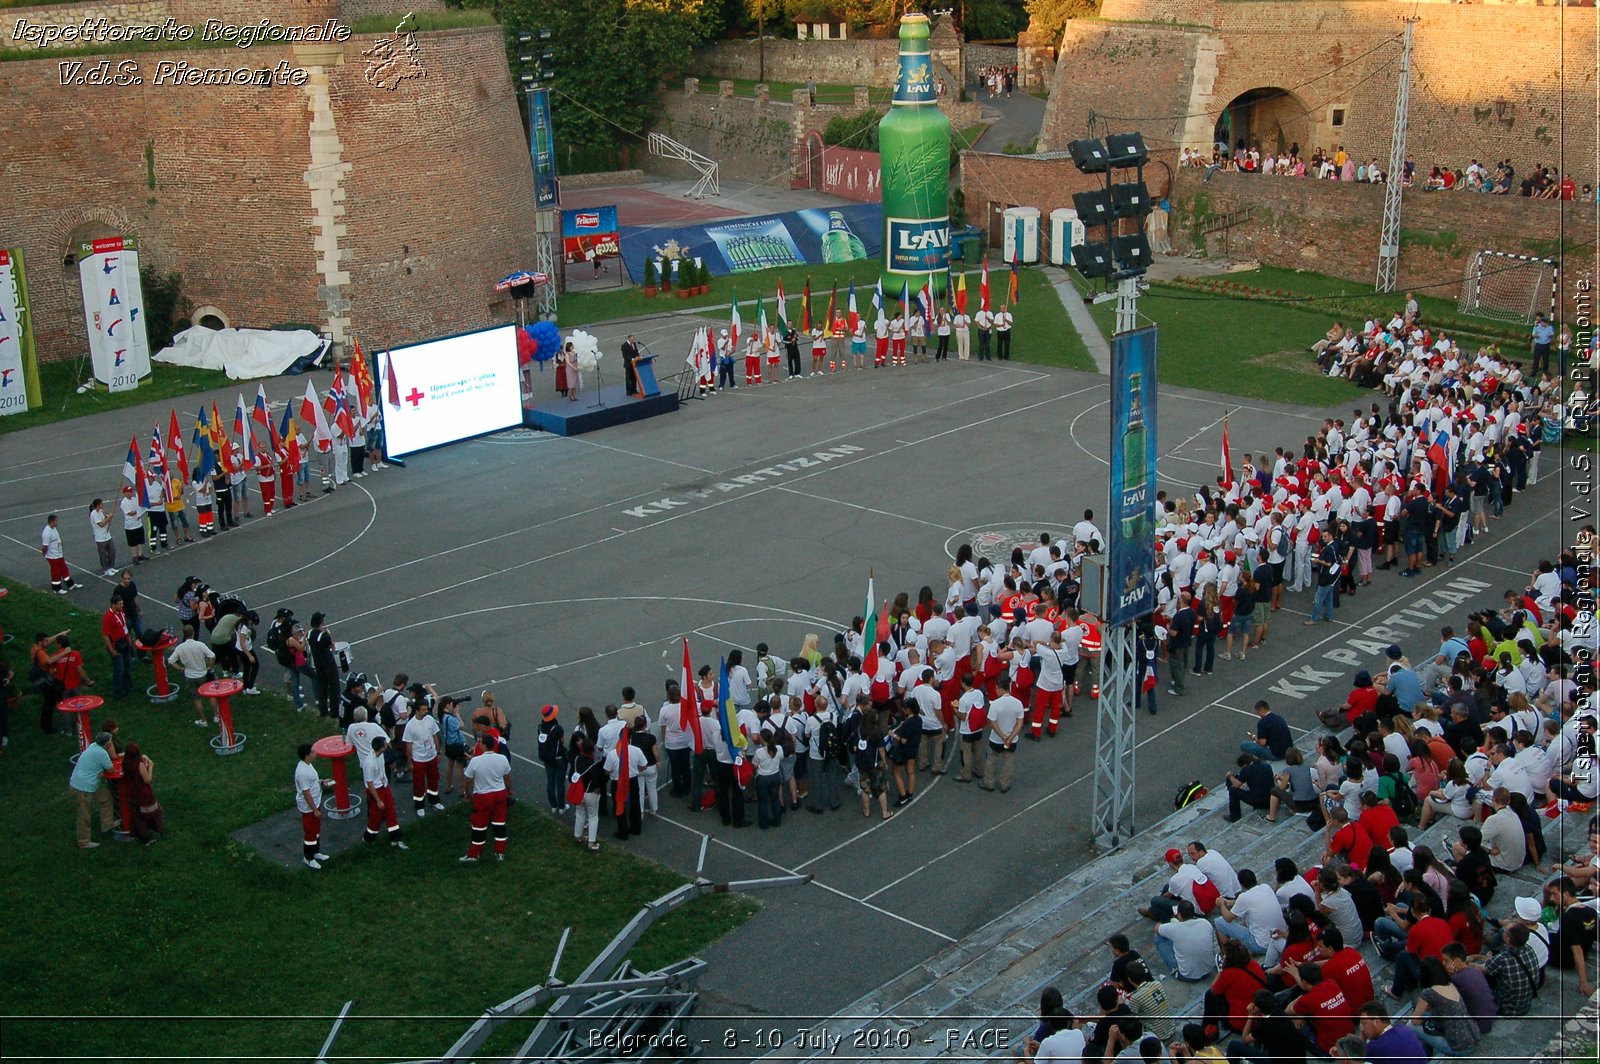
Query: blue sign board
column 1131, row 590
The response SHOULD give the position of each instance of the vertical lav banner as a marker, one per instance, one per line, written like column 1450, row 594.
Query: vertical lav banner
column 1131, row 591
column 113, row 312
column 19, row 366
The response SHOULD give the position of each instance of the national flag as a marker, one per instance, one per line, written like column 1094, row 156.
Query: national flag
column 289, row 433
column 905, row 298
column 869, row 625
column 877, row 302
column 805, row 308
column 158, row 456
column 133, row 473
column 727, row 719
column 175, row 441
column 783, row 309
column 262, row 414
column 311, row 414
column 1442, row 456
column 733, row 323
column 202, row 439
column 1016, row 261
column 1227, row 456
column 853, row 315
column 338, row 406
column 247, row 439
column 391, row 387
column 624, row 785
column 925, row 299
column 961, row 294
column 361, row 375
column 983, row 287
column 221, row 441
column 761, row 318
column 688, row 702
column 879, row 627
column 833, row 306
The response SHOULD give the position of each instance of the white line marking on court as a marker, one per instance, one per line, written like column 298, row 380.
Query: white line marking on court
column 1518, row 572
column 59, row 457
column 371, row 520
column 868, row 509
column 636, row 454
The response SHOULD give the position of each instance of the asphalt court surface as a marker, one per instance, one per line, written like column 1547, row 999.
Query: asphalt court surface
column 559, row 570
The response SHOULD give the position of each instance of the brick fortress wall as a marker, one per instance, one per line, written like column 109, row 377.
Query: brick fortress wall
column 358, row 210
column 1487, row 84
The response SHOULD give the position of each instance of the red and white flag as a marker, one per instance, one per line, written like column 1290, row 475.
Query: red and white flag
column 689, row 702
column 391, row 387
column 983, row 287
column 311, row 414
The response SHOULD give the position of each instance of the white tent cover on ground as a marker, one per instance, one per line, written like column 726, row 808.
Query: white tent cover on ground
column 243, row 353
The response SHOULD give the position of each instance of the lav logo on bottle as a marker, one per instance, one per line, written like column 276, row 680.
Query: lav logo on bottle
column 916, row 78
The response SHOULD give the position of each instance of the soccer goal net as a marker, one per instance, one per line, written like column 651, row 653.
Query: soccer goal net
column 1498, row 284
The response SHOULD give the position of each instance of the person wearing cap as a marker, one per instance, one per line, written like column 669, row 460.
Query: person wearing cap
column 380, row 796
column 724, row 360
column 488, row 780
column 1180, row 887
column 552, row 755
column 421, row 738
column 87, row 785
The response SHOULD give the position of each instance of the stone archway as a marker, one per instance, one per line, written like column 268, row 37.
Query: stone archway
column 813, row 157
column 1270, row 119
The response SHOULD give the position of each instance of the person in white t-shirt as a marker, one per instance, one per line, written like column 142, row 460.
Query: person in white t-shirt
column 1002, row 334
column 984, row 320
column 972, row 722
column 1180, row 887
column 308, row 802
column 880, row 332
column 897, row 337
column 925, row 696
column 362, row 732
column 917, row 327
column 1006, row 715
column 1064, row 1045
column 488, row 775
column 421, row 736
column 380, row 796
column 962, row 324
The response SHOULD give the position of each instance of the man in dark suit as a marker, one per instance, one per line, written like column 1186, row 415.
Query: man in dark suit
column 630, row 351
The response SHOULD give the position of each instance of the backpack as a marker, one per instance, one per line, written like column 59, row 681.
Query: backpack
column 783, row 735
column 1189, row 793
column 1206, row 894
column 277, row 642
column 845, row 740
column 881, row 691
column 828, row 740
column 1405, row 799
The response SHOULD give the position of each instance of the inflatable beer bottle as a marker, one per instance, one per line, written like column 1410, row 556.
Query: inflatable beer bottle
column 914, row 149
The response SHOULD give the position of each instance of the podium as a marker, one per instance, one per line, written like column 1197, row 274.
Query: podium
column 644, row 369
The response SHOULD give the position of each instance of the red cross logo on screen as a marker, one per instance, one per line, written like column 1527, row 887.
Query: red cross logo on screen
column 415, row 398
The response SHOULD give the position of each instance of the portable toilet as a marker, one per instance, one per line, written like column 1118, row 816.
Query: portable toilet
column 1066, row 233
column 1022, row 234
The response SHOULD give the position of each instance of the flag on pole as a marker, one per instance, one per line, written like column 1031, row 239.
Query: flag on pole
column 202, row 439
column 733, row 323
column 221, row 440
column 289, row 433
column 805, row 308
column 361, row 374
column 247, row 439
column 983, row 287
column 391, row 393
column 877, row 302
column 1442, row 457
column 833, row 307
column 1016, row 261
column 783, row 309
column 624, row 785
column 732, row 735
column 1227, row 456
column 175, row 441
column 337, row 405
column 854, row 316
column 158, row 456
column 961, row 294
column 879, row 627
column 133, row 473
column 311, row 414
column 688, row 702
column 925, row 300
column 869, row 624
column 761, row 319
column 905, row 297
column 262, row 415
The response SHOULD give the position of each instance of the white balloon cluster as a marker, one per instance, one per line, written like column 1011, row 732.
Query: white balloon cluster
column 587, row 348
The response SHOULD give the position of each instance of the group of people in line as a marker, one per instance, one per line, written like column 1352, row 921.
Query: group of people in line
column 1541, row 182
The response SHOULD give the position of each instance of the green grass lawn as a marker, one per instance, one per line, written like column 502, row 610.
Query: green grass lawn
column 201, row 926
column 1042, row 332
column 1239, row 347
column 58, row 387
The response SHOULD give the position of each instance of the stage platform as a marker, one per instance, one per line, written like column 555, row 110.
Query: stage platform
column 564, row 417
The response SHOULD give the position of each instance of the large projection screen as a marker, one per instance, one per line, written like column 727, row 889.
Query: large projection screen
column 451, row 389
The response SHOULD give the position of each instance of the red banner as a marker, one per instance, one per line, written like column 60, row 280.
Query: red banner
column 854, row 175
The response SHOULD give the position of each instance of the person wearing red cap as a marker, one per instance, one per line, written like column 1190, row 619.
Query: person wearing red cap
column 488, row 779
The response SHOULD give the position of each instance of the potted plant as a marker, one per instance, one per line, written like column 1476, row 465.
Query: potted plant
column 666, row 275
column 650, row 278
column 703, row 276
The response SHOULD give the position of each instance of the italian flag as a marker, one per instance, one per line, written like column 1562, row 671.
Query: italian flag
column 783, row 310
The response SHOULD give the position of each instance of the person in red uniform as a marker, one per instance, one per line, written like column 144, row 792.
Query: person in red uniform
column 308, row 802
column 488, row 777
column 267, row 480
column 380, row 796
column 1346, row 967
column 421, row 736
column 285, row 478
column 1321, row 1006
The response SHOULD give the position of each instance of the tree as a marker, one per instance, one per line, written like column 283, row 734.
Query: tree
column 991, row 20
column 611, row 57
column 1049, row 18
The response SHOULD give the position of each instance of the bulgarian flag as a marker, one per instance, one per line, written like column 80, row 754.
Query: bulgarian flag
column 877, row 627
column 961, row 295
column 1227, row 456
column 805, row 308
column 733, row 323
column 688, row 707
column 983, row 287
column 854, row 317
column 783, row 309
